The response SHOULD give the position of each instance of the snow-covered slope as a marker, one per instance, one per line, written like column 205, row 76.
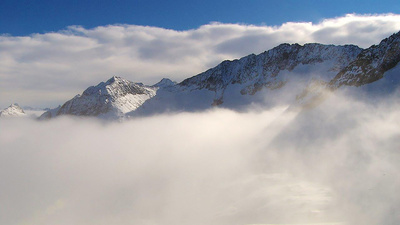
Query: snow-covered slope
column 110, row 99
column 14, row 110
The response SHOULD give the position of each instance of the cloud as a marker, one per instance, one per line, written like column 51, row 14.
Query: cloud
column 33, row 68
column 337, row 163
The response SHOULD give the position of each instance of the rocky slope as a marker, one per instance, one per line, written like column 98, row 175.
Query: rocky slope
column 14, row 110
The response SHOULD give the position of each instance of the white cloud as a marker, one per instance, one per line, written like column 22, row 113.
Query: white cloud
column 34, row 67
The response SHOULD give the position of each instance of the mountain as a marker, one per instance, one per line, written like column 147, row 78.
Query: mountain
column 287, row 74
column 110, row 99
column 14, row 110
column 282, row 71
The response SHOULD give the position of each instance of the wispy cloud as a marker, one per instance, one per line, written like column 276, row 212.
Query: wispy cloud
column 45, row 69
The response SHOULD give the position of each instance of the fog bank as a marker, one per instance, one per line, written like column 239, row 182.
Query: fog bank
column 335, row 163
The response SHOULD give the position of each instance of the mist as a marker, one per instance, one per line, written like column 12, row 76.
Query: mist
column 335, row 163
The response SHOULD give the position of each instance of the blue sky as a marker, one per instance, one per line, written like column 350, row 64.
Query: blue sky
column 23, row 17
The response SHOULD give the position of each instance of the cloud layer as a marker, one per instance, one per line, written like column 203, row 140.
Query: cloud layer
column 335, row 163
column 47, row 69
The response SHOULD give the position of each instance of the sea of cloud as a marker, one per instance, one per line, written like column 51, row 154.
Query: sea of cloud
column 335, row 163
column 44, row 70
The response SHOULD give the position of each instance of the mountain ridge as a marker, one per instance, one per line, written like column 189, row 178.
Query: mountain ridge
column 262, row 70
column 301, row 70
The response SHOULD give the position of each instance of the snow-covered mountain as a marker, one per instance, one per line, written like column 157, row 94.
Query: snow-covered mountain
column 14, row 110
column 286, row 74
column 283, row 71
column 110, row 99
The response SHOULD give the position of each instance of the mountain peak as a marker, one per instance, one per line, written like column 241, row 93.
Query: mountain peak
column 165, row 82
column 112, row 98
column 13, row 110
column 114, row 79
